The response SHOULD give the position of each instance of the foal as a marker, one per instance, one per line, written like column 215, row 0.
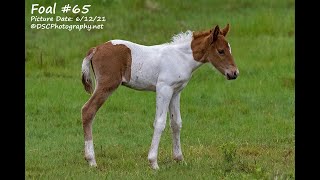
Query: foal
column 165, row 69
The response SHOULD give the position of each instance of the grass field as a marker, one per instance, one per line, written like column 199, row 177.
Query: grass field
column 242, row 129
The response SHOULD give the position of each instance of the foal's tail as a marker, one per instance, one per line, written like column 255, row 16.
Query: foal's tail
column 86, row 79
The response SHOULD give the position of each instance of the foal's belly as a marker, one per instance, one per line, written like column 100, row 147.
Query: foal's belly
column 143, row 77
column 140, row 87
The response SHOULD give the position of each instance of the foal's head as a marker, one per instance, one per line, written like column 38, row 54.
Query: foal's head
column 212, row 46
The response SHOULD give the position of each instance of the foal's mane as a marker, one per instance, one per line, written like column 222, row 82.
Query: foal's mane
column 181, row 37
column 187, row 36
column 201, row 33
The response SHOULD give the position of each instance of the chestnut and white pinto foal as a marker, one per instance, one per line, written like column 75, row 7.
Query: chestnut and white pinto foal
column 165, row 69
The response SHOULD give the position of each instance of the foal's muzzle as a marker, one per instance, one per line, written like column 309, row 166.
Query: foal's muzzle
column 232, row 74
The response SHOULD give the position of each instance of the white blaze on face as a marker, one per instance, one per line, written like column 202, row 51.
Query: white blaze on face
column 229, row 48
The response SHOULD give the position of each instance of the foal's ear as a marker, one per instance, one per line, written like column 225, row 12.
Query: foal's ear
column 225, row 30
column 215, row 33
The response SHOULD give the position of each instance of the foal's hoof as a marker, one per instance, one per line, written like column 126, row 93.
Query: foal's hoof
column 92, row 163
column 154, row 166
column 178, row 158
column 153, row 162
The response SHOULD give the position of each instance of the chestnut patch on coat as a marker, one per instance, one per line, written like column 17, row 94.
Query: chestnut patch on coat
column 112, row 64
column 200, row 44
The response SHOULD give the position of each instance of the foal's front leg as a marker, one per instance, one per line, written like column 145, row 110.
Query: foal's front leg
column 164, row 94
column 176, row 124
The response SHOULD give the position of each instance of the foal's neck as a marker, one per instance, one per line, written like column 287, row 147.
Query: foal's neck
column 187, row 54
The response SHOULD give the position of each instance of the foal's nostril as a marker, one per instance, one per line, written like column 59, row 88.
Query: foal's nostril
column 235, row 74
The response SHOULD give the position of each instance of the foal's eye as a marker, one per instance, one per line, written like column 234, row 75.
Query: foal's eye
column 221, row 52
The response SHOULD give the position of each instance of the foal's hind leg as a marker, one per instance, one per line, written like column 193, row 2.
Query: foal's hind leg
column 89, row 110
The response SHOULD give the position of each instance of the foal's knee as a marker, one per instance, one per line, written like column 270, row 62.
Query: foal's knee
column 176, row 125
column 159, row 126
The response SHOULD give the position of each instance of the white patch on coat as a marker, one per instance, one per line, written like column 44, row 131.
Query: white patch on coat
column 171, row 63
column 88, row 147
column 89, row 153
column 86, row 68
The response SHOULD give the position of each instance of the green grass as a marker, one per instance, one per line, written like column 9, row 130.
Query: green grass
column 242, row 129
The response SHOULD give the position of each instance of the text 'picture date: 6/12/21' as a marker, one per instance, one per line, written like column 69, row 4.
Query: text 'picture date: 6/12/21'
column 68, row 19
